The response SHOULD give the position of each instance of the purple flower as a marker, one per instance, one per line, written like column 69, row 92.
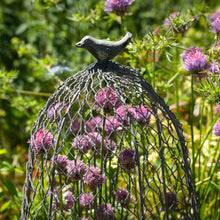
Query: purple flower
column 94, row 124
column 83, row 143
column 56, row 110
column 217, row 109
column 94, row 178
column 61, row 164
column 216, row 128
column 191, row 50
column 76, row 170
column 125, row 114
column 105, row 212
column 168, row 21
column 69, row 200
column 196, row 62
column 213, row 68
column 75, row 125
column 112, row 125
column 216, row 25
column 109, row 147
column 122, row 196
column 127, row 159
column 119, row 7
column 143, row 115
column 86, row 200
column 171, row 199
column 107, row 99
column 42, row 141
column 214, row 15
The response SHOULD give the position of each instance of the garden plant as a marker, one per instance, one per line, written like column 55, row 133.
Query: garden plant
column 176, row 48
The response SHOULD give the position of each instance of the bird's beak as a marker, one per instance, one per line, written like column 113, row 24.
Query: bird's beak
column 79, row 44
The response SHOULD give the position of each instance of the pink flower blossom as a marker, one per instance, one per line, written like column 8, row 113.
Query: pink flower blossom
column 216, row 128
column 216, row 25
column 69, row 200
column 42, row 141
column 109, row 146
column 217, row 109
column 191, row 50
column 56, row 109
column 83, row 143
column 107, row 99
column 125, row 114
column 119, row 7
column 94, row 178
column 94, row 124
column 127, row 159
column 143, row 115
column 75, row 125
column 215, row 15
column 196, row 62
column 105, row 212
column 61, row 164
column 122, row 196
column 86, row 200
column 76, row 170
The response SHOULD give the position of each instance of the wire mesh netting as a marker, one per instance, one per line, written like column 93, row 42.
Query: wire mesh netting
column 105, row 146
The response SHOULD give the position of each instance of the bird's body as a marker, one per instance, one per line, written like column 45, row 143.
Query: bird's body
column 104, row 50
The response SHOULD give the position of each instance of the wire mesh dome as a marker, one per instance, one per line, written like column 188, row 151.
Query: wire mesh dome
column 106, row 146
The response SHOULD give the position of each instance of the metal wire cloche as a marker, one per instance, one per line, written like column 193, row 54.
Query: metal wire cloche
column 106, row 146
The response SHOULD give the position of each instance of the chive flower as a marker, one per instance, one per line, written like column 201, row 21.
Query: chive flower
column 119, row 7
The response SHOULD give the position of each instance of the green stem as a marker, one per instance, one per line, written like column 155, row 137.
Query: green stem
column 103, row 160
column 153, row 68
column 122, row 26
column 61, row 195
column 30, row 92
column 177, row 86
column 192, row 132
column 200, row 135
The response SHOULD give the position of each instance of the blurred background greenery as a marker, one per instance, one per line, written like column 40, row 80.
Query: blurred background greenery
column 37, row 51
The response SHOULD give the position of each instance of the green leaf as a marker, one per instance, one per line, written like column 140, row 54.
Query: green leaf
column 18, row 170
column 3, row 151
column 10, row 187
column 5, row 206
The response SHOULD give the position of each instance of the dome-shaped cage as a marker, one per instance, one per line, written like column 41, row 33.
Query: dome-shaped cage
column 106, row 146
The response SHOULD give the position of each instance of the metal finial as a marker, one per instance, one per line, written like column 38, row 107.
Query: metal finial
column 104, row 50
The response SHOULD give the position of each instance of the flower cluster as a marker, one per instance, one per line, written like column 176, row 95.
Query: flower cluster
column 86, row 200
column 42, row 141
column 62, row 162
column 196, row 62
column 119, row 7
column 171, row 199
column 127, row 159
column 216, row 128
column 69, row 200
column 109, row 147
column 83, row 143
column 94, row 178
column 122, row 196
column 105, row 212
column 127, row 114
column 215, row 22
column 107, row 99
column 56, row 110
column 76, row 170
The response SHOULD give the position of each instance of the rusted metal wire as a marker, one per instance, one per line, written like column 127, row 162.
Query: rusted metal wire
column 106, row 146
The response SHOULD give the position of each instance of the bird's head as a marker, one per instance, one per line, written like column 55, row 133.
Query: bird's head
column 85, row 42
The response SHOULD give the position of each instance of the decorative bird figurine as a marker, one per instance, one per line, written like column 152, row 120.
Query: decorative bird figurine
column 104, row 50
